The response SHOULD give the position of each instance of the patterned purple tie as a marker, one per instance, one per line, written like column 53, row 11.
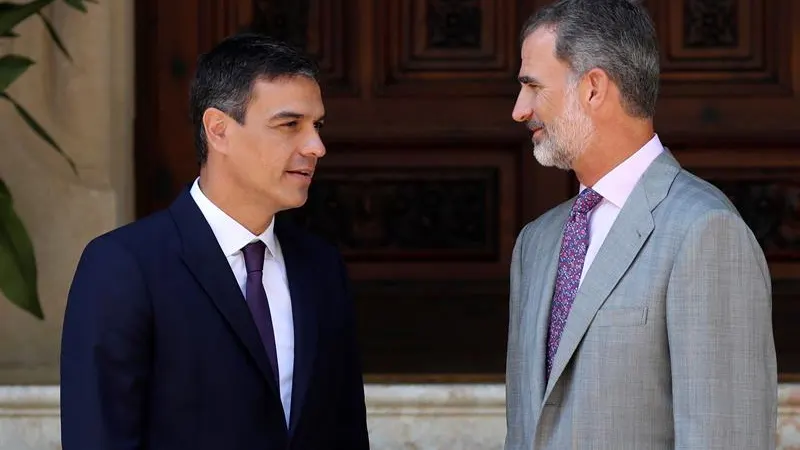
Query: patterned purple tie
column 570, row 265
column 256, row 298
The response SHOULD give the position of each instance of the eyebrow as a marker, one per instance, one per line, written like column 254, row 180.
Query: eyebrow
column 525, row 79
column 292, row 115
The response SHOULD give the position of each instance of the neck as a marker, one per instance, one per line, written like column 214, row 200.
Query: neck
column 607, row 151
column 236, row 202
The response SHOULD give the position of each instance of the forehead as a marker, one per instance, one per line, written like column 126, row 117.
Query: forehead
column 538, row 55
column 298, row 94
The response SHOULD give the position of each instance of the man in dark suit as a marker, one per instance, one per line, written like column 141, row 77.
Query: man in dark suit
column 212, row 324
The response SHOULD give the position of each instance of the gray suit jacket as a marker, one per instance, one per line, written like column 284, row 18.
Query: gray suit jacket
column 669, row 342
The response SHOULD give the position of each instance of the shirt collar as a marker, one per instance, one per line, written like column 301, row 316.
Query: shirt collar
column 231, row 235
column 616, row 186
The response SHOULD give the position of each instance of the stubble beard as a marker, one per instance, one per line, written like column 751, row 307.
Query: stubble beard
column 565, row 138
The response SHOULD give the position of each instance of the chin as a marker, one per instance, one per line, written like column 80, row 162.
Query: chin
column 548, row 156
column 295, row 201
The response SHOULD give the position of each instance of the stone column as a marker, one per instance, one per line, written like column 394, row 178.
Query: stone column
column 87, row 106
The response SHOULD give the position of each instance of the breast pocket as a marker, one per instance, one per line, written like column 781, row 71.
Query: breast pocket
column 621, row 317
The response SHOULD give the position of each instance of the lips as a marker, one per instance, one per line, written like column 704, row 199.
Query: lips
column 305, row 172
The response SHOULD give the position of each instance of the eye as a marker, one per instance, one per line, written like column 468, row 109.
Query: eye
column 291, row 124
column 319, row 125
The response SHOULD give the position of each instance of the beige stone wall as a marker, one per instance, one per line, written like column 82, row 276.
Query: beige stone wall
column 399, row 417
column 87, row 106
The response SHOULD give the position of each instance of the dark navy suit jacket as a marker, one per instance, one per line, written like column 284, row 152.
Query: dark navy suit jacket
column 160, row 352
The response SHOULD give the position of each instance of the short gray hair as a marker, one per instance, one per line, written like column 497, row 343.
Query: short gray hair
column 617, row 36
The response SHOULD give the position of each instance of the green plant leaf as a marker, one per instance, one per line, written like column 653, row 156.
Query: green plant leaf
column 17, row 260
column 39, row 130
column 11, row 14
column 77, row 4
column 6, row 6
column 54, row 35
column 11, row 67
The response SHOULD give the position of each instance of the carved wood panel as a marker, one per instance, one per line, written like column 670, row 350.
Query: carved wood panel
column 724, row 48
column 446, row 47
column 447, row 211
column 770, row 204
column 415, row 214
column 326, row 30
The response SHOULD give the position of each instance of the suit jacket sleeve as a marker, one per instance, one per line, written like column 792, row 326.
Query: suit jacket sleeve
column 514, row 426
column 105, row 352
column 722, row 351
column 353, row 414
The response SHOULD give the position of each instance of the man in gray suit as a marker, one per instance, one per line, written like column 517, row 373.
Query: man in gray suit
column 640, row 310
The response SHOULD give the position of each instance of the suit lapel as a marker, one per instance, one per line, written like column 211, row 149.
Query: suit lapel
column 208, row 264
column 542, row 291
column 300, row 273
column 630, row 231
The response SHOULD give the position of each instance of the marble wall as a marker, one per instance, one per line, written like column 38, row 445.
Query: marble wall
column 401, row 417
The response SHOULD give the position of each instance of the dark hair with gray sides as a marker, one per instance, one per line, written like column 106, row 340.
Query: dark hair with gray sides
column 225, row 77
column 617, row 36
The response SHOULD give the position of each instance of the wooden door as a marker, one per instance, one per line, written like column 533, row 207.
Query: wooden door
column 427, row 180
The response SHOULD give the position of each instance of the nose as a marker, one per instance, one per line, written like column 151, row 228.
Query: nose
column 314, row 147
column 522, row 109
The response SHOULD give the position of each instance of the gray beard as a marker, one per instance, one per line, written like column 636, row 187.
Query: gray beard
column 565, row 139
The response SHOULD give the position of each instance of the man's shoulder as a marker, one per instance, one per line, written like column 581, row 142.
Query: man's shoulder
column 695, row 207
column 138, row 236
column 691, row 198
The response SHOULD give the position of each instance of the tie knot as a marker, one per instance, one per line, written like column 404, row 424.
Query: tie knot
column 586, row 201
column 254, row 256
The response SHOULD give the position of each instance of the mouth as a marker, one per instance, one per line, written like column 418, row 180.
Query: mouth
column 302, row 173
column 535, row 132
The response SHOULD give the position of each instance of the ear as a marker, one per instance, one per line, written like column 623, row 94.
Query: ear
column 596, row 85
column 215, row 123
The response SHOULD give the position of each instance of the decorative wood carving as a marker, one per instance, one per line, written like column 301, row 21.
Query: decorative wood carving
column 324, row 29
column 418, row 212
column 454, row 24
column 411, row 214
column 446, row 47
column 770, row 205
column 711, row 24
column 284, row 20
column 724, row 48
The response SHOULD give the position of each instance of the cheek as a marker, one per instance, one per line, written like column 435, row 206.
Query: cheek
column 261, row 151
column 549, row 109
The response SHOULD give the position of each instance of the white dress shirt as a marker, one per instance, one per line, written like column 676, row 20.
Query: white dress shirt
column 232, row 237
column 615, row 187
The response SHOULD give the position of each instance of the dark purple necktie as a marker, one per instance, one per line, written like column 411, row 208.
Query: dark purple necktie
column 574, row 245
column 256, row 298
